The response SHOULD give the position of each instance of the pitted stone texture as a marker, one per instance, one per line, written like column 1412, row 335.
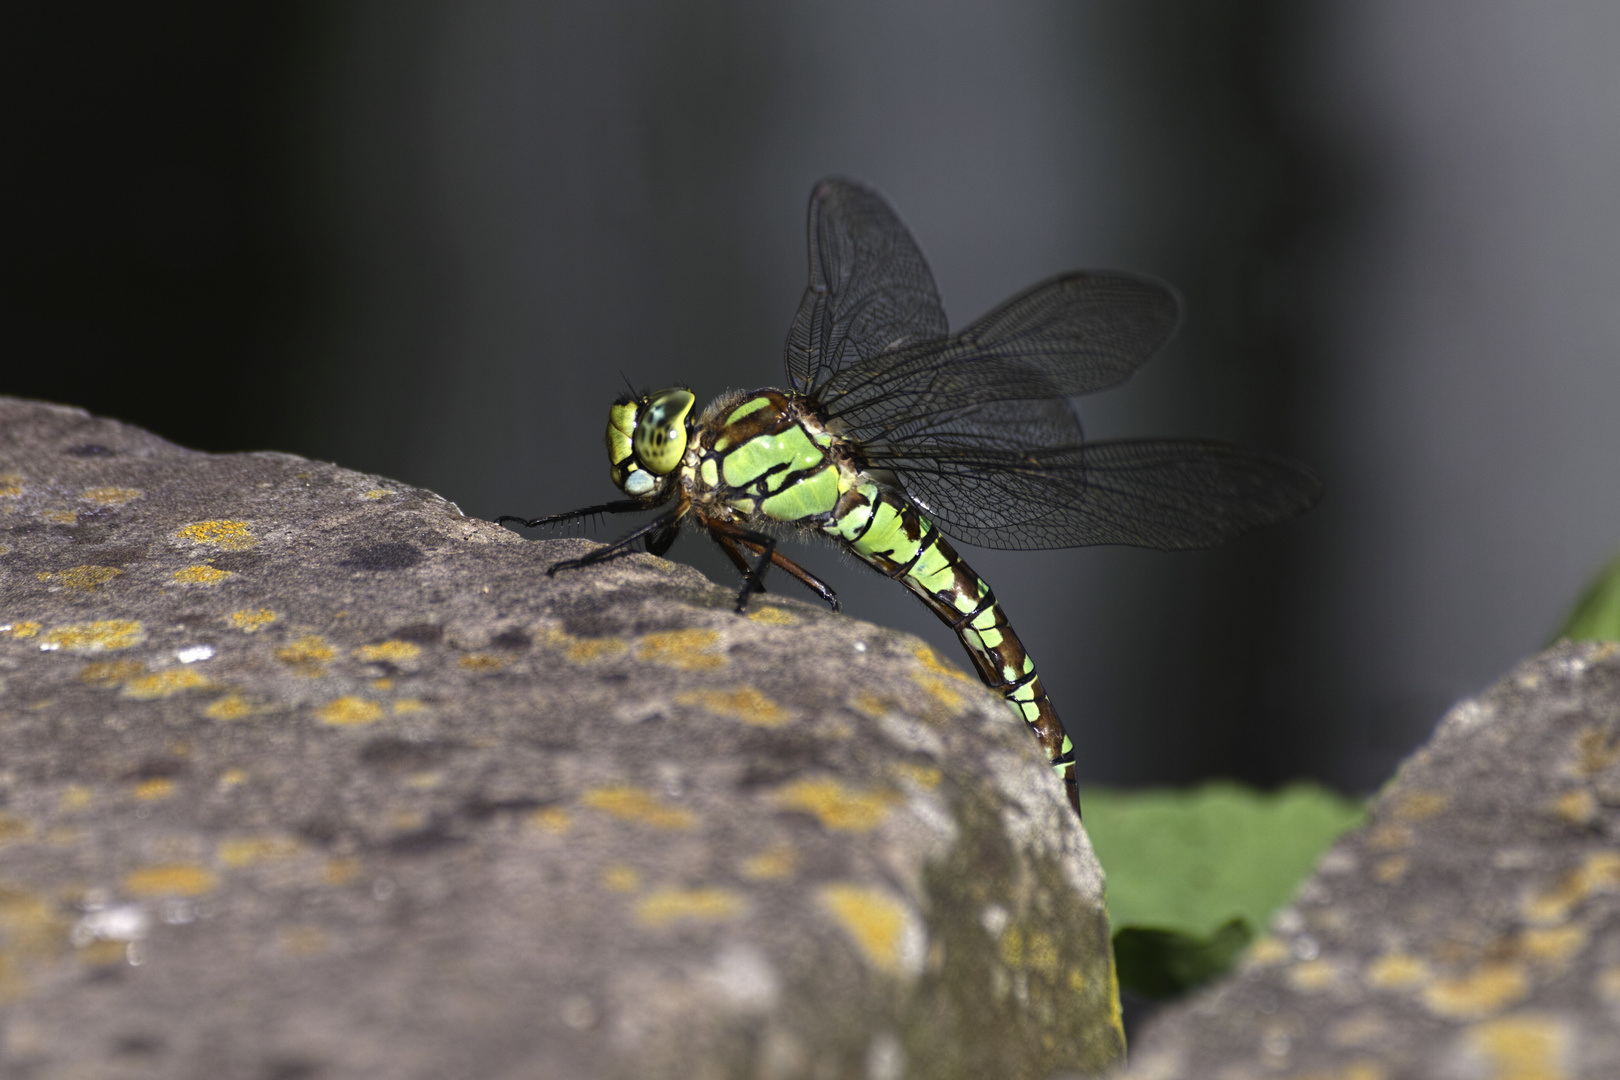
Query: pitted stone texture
column 1471, row 931
column 306, row 774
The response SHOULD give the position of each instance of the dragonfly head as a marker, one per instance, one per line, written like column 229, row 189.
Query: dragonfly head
column 646, row 438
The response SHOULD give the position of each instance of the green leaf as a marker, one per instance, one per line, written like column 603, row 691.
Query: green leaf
column 1163, row 963
column 1597, row 614
column 1193, row 860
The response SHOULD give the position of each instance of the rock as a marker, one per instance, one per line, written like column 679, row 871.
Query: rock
column 305, row 774
column 1470, row 931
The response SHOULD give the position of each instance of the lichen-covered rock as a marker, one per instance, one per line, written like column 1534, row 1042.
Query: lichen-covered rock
column 305, row 774
column 1471, row 931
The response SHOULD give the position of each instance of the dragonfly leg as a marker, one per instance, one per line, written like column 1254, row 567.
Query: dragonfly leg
column 729, row 546
column 620, row 506
column 655, row 530
column 806, row 578
column 763, row 545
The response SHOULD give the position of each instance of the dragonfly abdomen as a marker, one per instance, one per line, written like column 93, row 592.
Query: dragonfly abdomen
column 891, row 534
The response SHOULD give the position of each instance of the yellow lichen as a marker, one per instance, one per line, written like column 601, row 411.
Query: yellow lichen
column 778, row 861
column 181, row 879
column 391, row 652
column 110, row 672
column 102, row 635
column 1487, row 989
column 244, row 851
column 1267, row 951
column 229, row 535
column 61, row 517
column 1390, row 838
column 1595, row 751
column 552, row 819
column 772, row 616
column 349, row 711
column 1418, row 805
column 836, row 805
column 155, row 789
column 249, row 621
column 13, row 828
column 201, row 575
column 664, row 906
column 912, row 774
column 80, row 578
column 1553, row 944
column 232, row 777
column 75, row 797
column 229, row 707
column 480, row 662
column 621, row 878
column 111, row 496
column 1397, row 971
column 684, row 649
column 20, row 629
column 407, row 705
column 1389, row 871
column 881, row 925
column 1523, row 1047
column 1031, row 950
column 378, row 493
column 161, row 684
column 1314, row 976
column 307, row 656
column 583, row 650
column 634, row 804
column 10, row 485
column 342, row 870
column 740, row 703
column 1599, row 873
column 1577, row 806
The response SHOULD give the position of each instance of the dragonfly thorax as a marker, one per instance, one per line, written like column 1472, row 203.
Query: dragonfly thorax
column 647, row 437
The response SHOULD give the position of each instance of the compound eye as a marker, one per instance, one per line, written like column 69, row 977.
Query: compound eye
column 660, row 438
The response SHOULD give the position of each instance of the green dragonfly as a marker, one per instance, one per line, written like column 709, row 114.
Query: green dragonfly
column 895, row 433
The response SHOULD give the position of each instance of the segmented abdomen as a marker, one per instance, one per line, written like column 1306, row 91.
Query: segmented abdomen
column 890, row 533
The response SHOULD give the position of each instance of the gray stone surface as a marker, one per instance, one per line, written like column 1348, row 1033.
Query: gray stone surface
column 1471, row 931
column 304, row 774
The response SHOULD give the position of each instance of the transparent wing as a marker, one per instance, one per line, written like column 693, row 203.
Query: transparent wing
column 870, row 289
column 1170, row 494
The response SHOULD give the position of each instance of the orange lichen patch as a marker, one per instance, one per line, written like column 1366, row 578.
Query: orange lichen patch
column 684, row 649
column 342, row 870
column 155, row 789
column 102, row 635
column 942, row 693
column 249, row 621
column 583, row 650
column 1389, row 871
column 778, row 861
column 552, row 819
column 835, row 805
column 1029, row 950
column 1398, row 971
column 1314, row 976
column 61, row 517
column 111, row 672
column 1390, row 838
column 772, row 616
column 881, row 925
column 1595, row 751
column 480, row 662
column 390, row 652
column 1554, row 944
column 407, row 705
column 1599, row 873
column 201, row 575
column 1266, row 952
column 740, row 703
column 869, row 704
column 936, row 682
column 239, row 852
column 111, row 496
column 307, row 656
column 1487, row 989
column 82, row 578
column 1523, row 1047
column 179, row 879
column 1577, row 806
column 621, row 878
column 161, row 684
column 911, row 774
column 13, row 828
column 664, row 906
column 230, row 707
column 1419, row 805
column 75, row 797
column 229, row 535
column 931, row 661
column 349, row 711
column 377, row 493
column 10, row 485
column 634, row 804
column 20, row 629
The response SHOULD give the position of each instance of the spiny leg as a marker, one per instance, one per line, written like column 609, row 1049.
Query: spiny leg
column 620, row 506
column 657, row 528
column 729, row 546
column 806, row 578
column 763, row 544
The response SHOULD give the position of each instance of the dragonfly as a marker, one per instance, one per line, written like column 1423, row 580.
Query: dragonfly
column 894, row 437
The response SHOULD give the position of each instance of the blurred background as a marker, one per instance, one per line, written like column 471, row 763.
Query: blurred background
column 424, row 239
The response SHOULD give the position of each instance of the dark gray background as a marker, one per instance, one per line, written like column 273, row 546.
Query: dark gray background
column 425, row 239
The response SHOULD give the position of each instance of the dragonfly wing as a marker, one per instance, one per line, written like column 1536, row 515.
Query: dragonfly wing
column 1170, row 494
column 870, row 289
